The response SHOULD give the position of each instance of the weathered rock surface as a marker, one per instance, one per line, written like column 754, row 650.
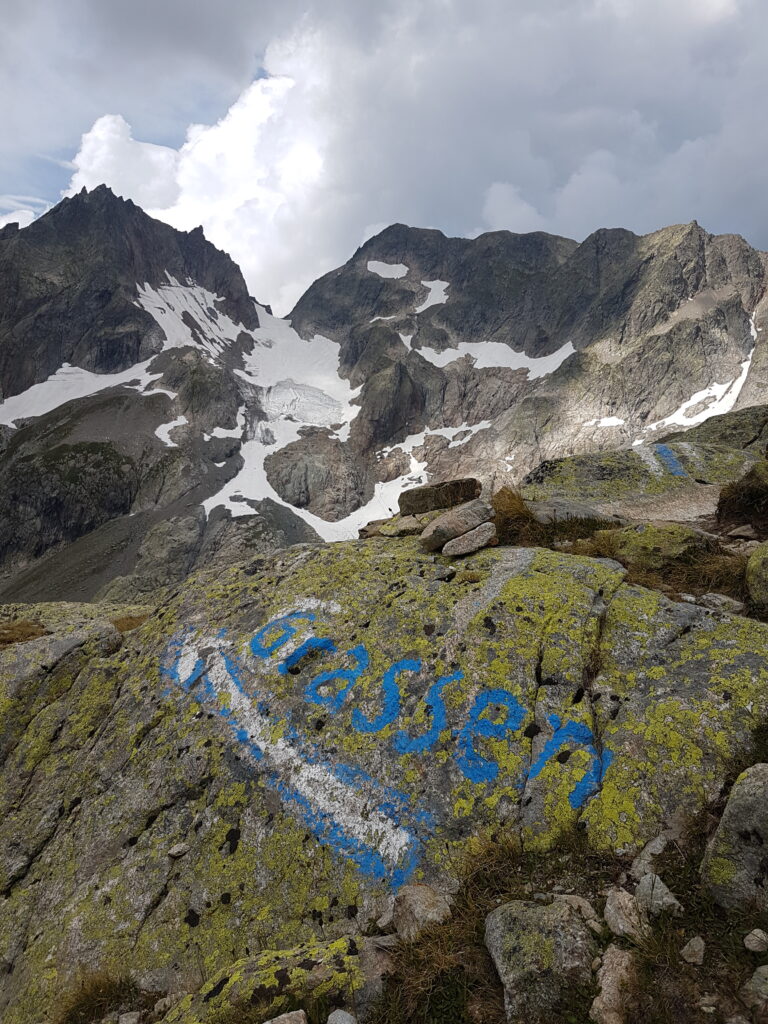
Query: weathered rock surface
column 418, row 500
column 653, row 897
column 756, row 941
column 416, row 907
column 755, row 991
column 315, row 725
column 735, row 866
column 455, row 523
column 539, row 952
column 655, row 545
column 618, row 980
column 694, row 951
column 472, row 541
column 757, row 575
column 625, row 917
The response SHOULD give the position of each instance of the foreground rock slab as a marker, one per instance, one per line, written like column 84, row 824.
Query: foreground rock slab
column 539, row 952
column 315, row 726
column 468, row 543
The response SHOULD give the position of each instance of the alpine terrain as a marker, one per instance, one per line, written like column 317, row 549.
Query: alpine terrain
column 405, row 659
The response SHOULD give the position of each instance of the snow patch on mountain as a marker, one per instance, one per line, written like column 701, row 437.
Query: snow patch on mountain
column 437, row 294
column 712, row 401
column 71, row 382
column 299, row 386
column 494, row 354
column 388, row 270
column 164, row 430
column 188, row 316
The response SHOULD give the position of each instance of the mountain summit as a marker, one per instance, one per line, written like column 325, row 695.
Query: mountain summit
column 139, row 381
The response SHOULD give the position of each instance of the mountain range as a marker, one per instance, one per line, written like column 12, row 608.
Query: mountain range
column 154, row 417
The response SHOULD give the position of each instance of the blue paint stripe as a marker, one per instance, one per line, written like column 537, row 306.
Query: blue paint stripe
column 670, row 460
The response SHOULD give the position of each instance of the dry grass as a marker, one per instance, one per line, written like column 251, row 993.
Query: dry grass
column 447, row 976
column 516, row 523
column 746, row 500
column 20, row 631
column 97, row 994
column 702, row 572
column 125, row 623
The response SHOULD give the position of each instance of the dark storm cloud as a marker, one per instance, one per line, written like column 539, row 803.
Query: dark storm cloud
column 563, row 115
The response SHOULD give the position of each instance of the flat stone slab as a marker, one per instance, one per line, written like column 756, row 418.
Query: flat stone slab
column 454, row 523
column 481, row 537
column 444, row 495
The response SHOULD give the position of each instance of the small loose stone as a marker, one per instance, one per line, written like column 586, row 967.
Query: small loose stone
column 178, row 850
column 757, row 941
column 693, row 951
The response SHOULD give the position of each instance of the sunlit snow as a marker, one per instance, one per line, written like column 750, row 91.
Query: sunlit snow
column 70, row 382
column 606, row 421
column 164, row 430
column 716, row 400
column 437, row 294
column 168, row 304
column 492, row 354
column 390, row 270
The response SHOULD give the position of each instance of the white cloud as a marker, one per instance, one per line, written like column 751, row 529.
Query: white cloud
column 561, row 116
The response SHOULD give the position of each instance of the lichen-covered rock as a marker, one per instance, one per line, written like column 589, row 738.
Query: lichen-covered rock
column 735, row 866
column 418, row 500
column 539, row 953
column 655, row 545
column 323, row 726
column 609, row 479
column 471, row 542
column 454, row 523
column 274, row 979
column 757, row 575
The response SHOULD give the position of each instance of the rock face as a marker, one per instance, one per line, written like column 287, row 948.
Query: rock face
column 315, row 726
column 540, row 953
column 472, row 541
column 416, row 907
column 68, row 283
column 736, row 866
column 138, row 377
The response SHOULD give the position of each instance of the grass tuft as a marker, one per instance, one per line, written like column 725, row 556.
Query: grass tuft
column 98, row 993
column 516, row 523
column 746, row 500
column 20, row 631
column 125, row 623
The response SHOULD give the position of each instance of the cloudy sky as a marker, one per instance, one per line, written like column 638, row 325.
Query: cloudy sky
column 293, row 129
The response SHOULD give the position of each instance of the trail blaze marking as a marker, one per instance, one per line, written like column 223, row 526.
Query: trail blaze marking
column 376, row 826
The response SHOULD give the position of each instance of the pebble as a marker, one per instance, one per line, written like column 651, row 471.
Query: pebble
column 693, row 951
column 178, row 850
column 757, row 941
